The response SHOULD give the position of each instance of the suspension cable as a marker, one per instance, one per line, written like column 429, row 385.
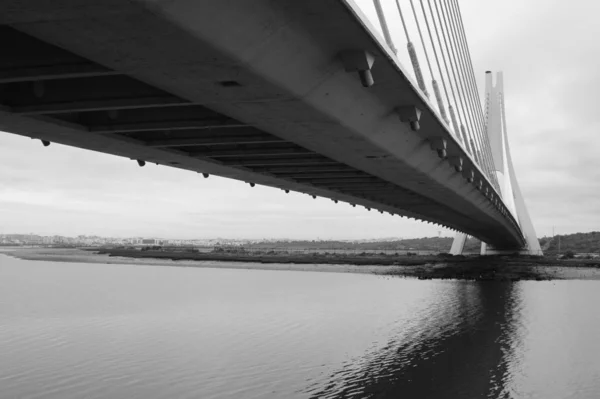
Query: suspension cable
column 402, row 19
column 436, row 89
column 470, row 87
column 420, row 35
column 449, row 78
column 457, row 98
column 470, row 64
column 476, row 92
column 437, row 60
column 384, row 26
column 458, row 81
column 469, row 79
column 435, row 54
column 412, row 53
column 460, row 88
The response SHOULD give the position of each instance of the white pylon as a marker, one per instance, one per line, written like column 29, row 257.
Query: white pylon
column 509, row 187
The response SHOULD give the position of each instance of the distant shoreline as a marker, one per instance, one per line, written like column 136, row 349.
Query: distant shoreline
column 422, row 267
column 86, row 256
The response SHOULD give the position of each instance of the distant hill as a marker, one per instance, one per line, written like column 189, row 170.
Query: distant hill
column 578, row 243
column 439, row 244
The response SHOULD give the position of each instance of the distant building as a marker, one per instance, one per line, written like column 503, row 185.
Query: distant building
column 151, row 241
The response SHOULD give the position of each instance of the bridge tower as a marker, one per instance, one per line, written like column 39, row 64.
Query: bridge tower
column 495, row 118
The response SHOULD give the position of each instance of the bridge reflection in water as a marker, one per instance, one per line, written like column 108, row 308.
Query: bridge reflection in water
column 466, row 352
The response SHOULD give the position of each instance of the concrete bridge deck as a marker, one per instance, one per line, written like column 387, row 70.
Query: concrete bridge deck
column 253, row 91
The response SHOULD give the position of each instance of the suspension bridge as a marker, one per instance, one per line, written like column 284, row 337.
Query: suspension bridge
column 311, row 96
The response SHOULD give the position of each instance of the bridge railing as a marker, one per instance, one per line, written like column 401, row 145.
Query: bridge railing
column 430, row 37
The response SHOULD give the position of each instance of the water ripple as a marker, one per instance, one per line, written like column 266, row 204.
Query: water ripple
column 215, row 334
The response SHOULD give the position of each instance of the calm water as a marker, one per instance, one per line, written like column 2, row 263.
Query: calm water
column 71, row 330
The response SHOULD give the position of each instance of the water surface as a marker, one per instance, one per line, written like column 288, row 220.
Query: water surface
column 71, row 330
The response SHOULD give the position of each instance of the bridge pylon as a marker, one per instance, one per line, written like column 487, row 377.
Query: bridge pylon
column 496, row 130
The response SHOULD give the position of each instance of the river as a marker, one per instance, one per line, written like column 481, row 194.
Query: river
column 75, row 330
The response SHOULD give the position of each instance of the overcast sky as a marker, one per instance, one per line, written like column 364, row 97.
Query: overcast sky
column 550, row 59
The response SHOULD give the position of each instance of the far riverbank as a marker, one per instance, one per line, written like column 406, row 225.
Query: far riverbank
column 422, row 267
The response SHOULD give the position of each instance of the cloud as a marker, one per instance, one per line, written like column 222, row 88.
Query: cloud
column 63, row 190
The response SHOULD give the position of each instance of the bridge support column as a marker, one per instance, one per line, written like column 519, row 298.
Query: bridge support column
column 460, row 240
column 458, row 244
column 484, row 248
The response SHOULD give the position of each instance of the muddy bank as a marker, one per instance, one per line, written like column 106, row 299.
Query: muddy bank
column 87, row 256
column 422, row 267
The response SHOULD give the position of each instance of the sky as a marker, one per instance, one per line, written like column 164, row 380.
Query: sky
column 547, row 51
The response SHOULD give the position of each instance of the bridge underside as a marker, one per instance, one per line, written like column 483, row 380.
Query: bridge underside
column 264, row 99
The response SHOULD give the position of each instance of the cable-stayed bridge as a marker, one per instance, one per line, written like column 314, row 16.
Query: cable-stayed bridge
column 310, row 96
